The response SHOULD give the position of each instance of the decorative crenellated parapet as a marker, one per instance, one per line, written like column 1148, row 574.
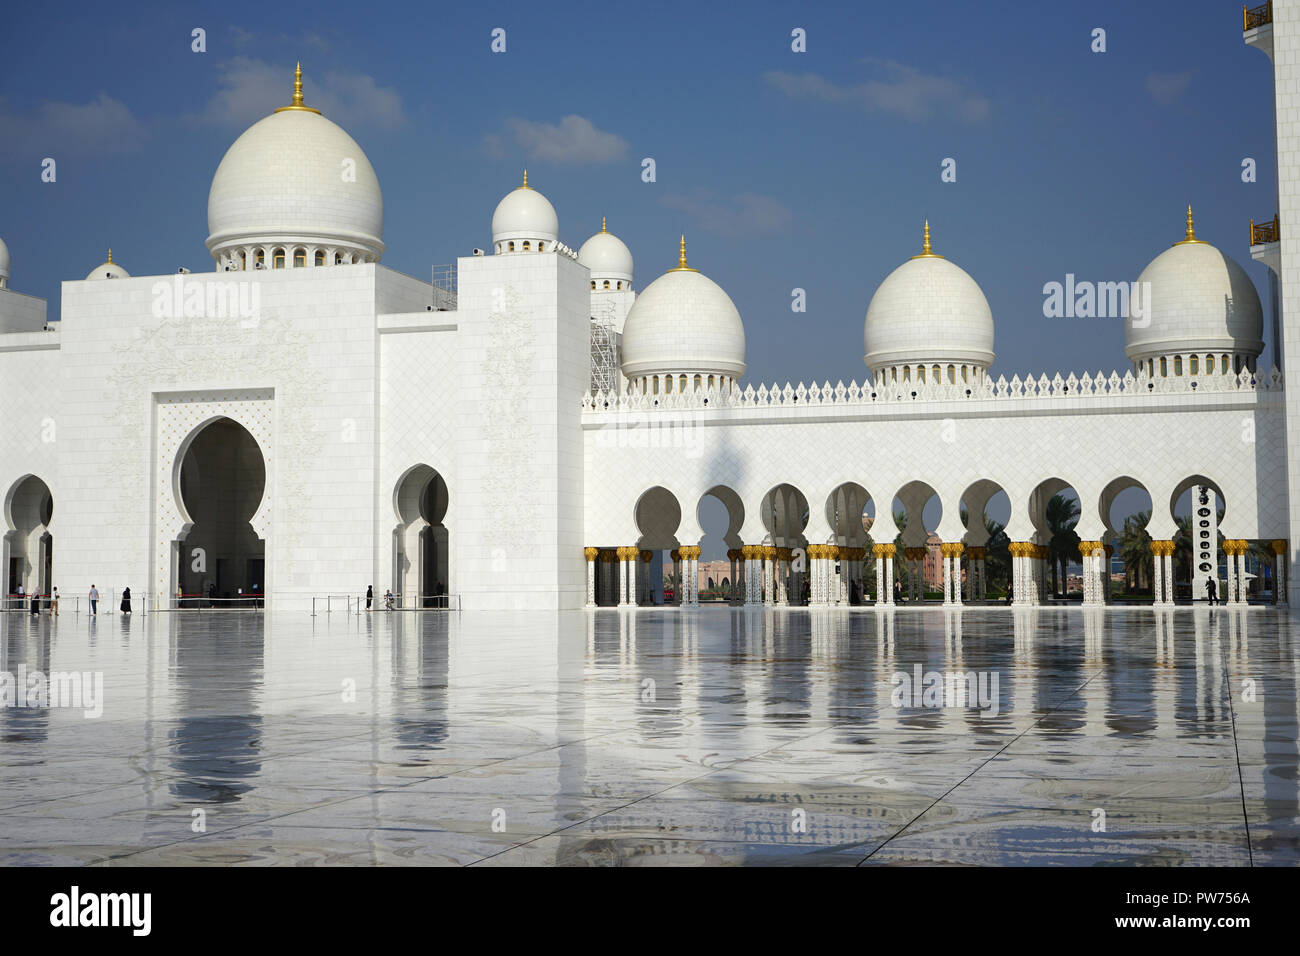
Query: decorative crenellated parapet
column 1065, row 389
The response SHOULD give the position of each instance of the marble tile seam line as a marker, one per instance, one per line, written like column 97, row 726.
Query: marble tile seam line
column 833, row 725
column 1236, row 747
column 939, row 799
column 361, row 795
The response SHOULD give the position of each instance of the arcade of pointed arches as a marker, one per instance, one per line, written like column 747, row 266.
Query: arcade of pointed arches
column 851, row 568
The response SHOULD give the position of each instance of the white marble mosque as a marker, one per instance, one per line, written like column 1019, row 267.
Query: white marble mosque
column 360, row 427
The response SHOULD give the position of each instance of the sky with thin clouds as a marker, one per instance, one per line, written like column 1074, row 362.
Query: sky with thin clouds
column 785, row 170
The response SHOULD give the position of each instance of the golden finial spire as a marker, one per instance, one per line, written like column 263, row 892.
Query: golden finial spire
column 1190, row 235
column 296, row 103
column 681, row 259
column 525, row 185
column 110, row 255
column 602, row 224
column 925, row 252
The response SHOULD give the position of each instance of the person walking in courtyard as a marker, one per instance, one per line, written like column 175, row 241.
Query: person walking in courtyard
column 388, row 600
column 22, row 600
column 54, row 601
column 94, row 600
column 126, row 600
column 370, row 595
column 36, row 602
column 1212, row 591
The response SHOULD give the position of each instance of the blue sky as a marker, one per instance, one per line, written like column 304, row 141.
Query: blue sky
column 784, row 170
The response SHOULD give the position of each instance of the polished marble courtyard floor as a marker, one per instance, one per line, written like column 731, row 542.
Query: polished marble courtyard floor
column 720, row 736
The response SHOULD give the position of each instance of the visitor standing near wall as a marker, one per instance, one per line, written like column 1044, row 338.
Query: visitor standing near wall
column 370, row 595
column 94, row 599
column 36, row 603
column 126, row 600
column 54, row 601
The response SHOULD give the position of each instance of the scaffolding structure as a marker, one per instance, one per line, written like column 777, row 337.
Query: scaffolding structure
column 604, row 349
column 444, row 288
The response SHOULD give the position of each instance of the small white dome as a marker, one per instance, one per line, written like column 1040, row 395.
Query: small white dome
column 606, row 256
column 525, row 214
column 108, row 269
column 928, row 310
column 683, row 322
column 4, row 260
column 295, row 178
column 1200, row 300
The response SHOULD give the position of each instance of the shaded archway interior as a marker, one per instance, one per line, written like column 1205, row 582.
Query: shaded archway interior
column 420, row 541
column 28, row 544
column 222, row 480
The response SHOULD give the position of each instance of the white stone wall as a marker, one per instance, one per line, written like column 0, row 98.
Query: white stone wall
column 522, row 365
column 312, row 347
column 1286, row 71
column 1235, row 440
column 20, row 312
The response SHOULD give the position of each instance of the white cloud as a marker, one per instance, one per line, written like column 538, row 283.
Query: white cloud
column 250, row 89
column 1166, row 88
column 55, row 128
column 742, row 215
column 898, row 89
column 574, row 139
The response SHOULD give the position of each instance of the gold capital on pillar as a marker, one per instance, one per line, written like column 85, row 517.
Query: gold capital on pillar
column 1278, row 545
column 591, row 553
column 646, row 556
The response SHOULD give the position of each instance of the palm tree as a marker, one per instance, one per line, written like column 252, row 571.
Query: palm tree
column 1135, row 551
column 998, row 563
column 902, row 570
column 1062, row 516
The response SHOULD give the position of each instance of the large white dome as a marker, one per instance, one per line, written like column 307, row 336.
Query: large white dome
column 683, row 322
column 607, row 257
column 524, row 213
column 928, row 310
column 1200, row 300
column 295, row 178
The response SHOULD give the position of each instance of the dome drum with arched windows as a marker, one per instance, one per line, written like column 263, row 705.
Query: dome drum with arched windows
column 683, row 333
column 928, row 322
column 1202, row 313
column 524, row 221
column 294, row 190
column 609, row 260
